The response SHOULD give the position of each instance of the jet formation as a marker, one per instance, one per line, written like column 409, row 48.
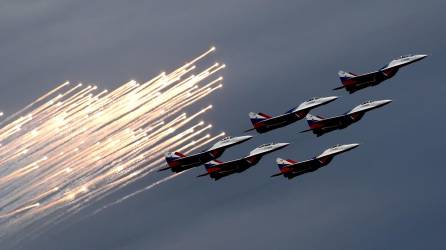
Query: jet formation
column 354, row 82
column 318, row 125
column 178, row 162
column 263, row 122
column 291, row 168
column 218, row 169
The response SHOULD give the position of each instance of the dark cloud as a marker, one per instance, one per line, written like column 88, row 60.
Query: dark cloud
column 387, row 194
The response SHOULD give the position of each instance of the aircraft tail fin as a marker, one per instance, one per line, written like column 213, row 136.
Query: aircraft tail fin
column 258, row 117
column 247, row 130
column 345, row 77
column 313, row 119
column 172, row 156
column 282, row 164
column 212, row 166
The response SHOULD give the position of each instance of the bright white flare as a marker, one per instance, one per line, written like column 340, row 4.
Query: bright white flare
column 76, row 144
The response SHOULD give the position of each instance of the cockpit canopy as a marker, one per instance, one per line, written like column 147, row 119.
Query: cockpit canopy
column 366, row 102
column 405, row 56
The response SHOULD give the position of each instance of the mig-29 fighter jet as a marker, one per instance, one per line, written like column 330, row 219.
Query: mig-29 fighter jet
column 178, row 162
column 320, row 125
column 353, row 82
column 290, row 168
column 263, row 123
column 217, row 169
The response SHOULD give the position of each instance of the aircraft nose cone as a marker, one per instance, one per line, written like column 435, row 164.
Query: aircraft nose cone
column 384, row 102
column 419, row 57
column 330, row 98
column 282, row 144
column 245, row 137
column 353, row 145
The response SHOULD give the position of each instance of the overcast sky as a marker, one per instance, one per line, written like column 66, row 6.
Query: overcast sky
column 387, row 194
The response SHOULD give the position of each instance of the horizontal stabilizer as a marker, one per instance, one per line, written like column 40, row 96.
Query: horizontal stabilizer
column 340, row 87
column 283, row 163
column 171, row 156
column 306, row 130
column 248, row 130
column 163, row 169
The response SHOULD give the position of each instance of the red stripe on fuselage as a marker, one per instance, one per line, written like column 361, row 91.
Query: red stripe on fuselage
column 265, row 115
column 213, row 170
column 286, row 170
column 316, row 125
column 259, row 125
column 180, row 154
column 349, row 82
column 173, row 164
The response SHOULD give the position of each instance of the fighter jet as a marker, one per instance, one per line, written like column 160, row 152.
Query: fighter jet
column 320, row 125
column 178, row 162
column 263, row 123
column 291, row 168
column 217, row 169
column 353, row 82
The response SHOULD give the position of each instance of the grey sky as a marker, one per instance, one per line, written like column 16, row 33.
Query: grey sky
column 387, row 194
